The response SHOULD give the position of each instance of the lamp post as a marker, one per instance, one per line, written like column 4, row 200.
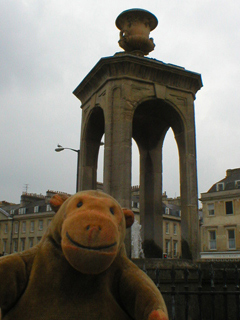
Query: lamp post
column 61, row 148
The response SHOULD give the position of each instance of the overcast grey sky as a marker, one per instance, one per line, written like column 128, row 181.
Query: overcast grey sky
column 48, row 46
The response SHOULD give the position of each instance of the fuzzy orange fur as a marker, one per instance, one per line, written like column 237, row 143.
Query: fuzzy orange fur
column 79, row 270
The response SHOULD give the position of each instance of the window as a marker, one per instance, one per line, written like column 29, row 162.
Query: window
column 175, row 248
column 12, row 212
column 175, row 229
column 231, row 239
column 40, row 225
column 167, row 210
column 30, row 242
column 48, row 208
column 16, row 227
column 211, row 209
column 23, row 226
column 15, row 245
column 32, row 226
column 229, row 207
column 4, row 246
column 36, row 209
column 237, row 183
column 212, row 240
column 6, row 228
column 220, row 186
column 39, row 239
column 22, row 244
column 167, row 228
column 49, row 221
column 22, row 211
column 167, row 247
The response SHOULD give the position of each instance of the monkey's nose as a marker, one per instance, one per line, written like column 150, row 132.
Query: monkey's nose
column 92, row 227
column 93, row 233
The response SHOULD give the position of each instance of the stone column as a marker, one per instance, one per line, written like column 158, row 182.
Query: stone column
column 118, row 152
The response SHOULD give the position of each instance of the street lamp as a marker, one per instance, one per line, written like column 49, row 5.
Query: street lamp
column 61, row 148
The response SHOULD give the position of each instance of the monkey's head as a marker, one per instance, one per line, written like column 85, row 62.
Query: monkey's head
column 91, row 227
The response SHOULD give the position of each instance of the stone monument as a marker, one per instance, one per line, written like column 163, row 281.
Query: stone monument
column 129, row 96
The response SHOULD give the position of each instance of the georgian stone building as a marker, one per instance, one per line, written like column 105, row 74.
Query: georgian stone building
column 23, row 225
column 220, row 230
column 171, row 213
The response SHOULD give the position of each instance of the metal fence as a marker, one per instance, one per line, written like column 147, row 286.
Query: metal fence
column 204, row 296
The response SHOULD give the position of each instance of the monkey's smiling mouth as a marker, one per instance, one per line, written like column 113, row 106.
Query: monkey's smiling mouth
column 89, row 248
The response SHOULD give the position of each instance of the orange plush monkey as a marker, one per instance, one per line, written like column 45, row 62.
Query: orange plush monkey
column 79, row 270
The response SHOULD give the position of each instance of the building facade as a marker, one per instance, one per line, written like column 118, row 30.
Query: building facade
column 171, row 213
column 172, row 227
column 23, row 225
column 220, row 229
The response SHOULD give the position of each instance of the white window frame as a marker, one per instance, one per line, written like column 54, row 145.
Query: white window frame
column 48, row 207
column 167, row 227
column 36, row 209
column 237, row 183
column 22, row 244
column 175, row 247
column 167, row 245
column 233, row 240
column 167, row 210
column 212, row 242
column 22, row 210
column 211, row 209
column 30, row 242
column 15, row 245
column 32, row 225
column 220, row 186
column 6, row 228
column 175, row 229
column 16, row 227
column 23, row 226
column 40, row 225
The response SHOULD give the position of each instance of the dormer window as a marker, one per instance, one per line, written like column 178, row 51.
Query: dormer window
column 237, row 184
column 167, row 210
column 22, row 211
column 36, row 209
column 220, row 186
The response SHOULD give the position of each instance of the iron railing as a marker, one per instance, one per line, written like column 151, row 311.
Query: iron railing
column 200, row 298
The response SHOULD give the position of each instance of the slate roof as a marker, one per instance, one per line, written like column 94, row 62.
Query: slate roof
column 232, row 175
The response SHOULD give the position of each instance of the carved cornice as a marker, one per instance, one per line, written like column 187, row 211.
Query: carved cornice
column 127, row 66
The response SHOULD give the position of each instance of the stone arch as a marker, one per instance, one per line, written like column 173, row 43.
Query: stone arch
column 129, row 87
column 151, row 121
column 93, row 130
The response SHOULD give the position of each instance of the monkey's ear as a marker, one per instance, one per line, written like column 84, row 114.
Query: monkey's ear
column 129, row 217
column 57, row 200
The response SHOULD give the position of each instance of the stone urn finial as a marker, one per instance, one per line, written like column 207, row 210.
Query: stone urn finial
column 135, row 26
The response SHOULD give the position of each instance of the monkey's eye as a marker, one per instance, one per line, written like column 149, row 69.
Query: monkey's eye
column 111, row 210
column 79, row 204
